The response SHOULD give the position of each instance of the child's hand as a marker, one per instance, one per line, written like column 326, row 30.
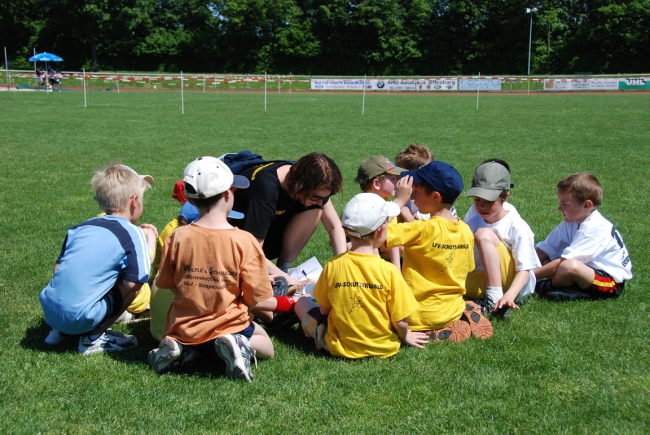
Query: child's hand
column 403, row 190
column 506, row 301
column 416, row 339
column 150, row 227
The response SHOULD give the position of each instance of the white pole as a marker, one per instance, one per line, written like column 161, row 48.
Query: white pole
column 84, row 80
column 279, row 84
column 182, row 96
column 363, row 101
column 478, row 87
column 34, row 61
column 265, row 91
column 528, row 81
column 117, row 81
column 204, row 85
column 7, row 68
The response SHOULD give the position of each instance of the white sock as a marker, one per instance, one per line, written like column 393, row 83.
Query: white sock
column 494, row 293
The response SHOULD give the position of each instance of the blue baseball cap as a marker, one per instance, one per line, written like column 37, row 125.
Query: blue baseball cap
column 441, row 177
column 191, row 213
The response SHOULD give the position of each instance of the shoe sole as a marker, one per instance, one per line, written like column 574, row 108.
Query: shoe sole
column 235, row 365
column 160, row 361
column 457, row 331
column 479, row 324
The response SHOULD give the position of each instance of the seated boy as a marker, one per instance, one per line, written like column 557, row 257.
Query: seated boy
column 378, row 175
column 363, row 302
column 584, row 257
column 504, row 244
column 438, row 254
column 217, row 273
column 103, row 264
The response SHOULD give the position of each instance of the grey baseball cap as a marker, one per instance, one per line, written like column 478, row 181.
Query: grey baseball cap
column 490, row 179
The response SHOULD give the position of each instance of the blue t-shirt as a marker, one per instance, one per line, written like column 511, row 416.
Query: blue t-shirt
column 95, row 254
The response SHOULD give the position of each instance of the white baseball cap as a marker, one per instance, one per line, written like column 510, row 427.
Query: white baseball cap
column 209, row 176
column 147, row 178
column 366, row 212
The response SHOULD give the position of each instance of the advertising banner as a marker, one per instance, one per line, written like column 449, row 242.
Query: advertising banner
column 415, row 84
column 482, row 84
column 604, row 84
column 635, row 83
column 566, row 84
column 340, row 84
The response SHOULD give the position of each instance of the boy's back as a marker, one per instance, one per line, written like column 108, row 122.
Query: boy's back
column 438, row 254
column 207, row 267
column 365, row 293
column 94, row 255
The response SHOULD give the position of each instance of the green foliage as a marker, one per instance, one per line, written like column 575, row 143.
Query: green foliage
column 339, row 37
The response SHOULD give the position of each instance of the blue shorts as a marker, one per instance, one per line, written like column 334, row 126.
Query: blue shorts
column 114, row 302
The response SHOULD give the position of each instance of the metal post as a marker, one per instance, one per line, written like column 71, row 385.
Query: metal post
column 530, row 37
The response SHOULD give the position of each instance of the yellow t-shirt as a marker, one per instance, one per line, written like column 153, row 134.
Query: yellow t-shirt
column 438, row 255
column 364, row 293
column 216, row 274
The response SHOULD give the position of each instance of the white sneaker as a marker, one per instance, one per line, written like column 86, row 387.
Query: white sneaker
column 235, row 350
column 109, row 341
column 313, row 329
column 56, row 337
column 170, row 354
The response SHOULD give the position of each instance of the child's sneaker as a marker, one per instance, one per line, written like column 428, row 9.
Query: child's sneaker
column 314, row 329
column 485, row 305
column 56, row 337
column 169, row 355
column 456, row 331
column 235, row 351
column 544, row 288
column 480, row 325
column 280, row 286
column 109, row 341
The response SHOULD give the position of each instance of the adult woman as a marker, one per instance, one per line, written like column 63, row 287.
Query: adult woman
column 285, row 202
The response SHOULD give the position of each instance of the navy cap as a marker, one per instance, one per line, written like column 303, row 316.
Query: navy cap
column 441, row 177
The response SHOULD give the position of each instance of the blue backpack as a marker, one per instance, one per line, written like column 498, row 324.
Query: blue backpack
column 239, row 162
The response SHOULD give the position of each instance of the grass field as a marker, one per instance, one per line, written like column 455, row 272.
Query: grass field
column 551, row 368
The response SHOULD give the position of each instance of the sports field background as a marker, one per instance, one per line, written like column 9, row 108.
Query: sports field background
column 551, row 368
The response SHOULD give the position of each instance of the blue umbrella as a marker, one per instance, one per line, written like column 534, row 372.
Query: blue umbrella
column 45, row 57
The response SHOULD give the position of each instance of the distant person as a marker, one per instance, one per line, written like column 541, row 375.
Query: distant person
column 102, row 265
column 504, row 244
column 438, row 255
column 286, row 202
column 362, row 302
column 379, row 175
column 218, row 274
column 584, row 257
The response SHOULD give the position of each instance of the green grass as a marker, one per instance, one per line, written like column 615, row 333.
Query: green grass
column 551, row 368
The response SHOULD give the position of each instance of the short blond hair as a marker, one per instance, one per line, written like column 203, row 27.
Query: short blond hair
column 114, row 185
column 414, row 156
column 582, row 186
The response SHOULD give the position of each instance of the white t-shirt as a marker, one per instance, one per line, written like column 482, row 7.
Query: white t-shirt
column 596, row 242
column 515, row 233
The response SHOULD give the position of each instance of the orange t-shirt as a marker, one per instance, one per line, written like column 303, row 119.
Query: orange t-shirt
column 213, row 272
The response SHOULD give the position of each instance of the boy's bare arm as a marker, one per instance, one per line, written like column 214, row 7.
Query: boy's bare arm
column 543, row 256
column 509, row 298
column 412, row 338
column 549, row 269
column 405, row 215
column 151, row 233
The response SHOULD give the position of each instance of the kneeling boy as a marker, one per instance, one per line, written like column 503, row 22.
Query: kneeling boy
column 363, row 301
column 103, row 264
column 584, row 257
column 217, row 273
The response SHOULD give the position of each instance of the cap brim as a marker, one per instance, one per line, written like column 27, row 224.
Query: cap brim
column 147, row 178
column 235, row 215
column 486, row 194
column 391, row 209
column 413, row 174
column 396, row 171
column 240, row 182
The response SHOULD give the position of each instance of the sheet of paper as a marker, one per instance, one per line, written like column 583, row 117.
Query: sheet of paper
column 309, row 269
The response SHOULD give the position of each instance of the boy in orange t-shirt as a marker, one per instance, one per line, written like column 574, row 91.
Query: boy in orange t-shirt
column 218, row 275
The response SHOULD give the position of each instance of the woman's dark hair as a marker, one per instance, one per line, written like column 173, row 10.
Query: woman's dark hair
column 312, row 172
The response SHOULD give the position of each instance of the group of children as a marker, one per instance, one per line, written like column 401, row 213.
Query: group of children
column 445, row 277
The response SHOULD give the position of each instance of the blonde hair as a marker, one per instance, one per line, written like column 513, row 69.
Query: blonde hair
column 413, row 157
column 582, row 186
column 114, row 185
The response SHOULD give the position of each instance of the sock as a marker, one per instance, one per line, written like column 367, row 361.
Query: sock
column 285, row 304
column 494, row 293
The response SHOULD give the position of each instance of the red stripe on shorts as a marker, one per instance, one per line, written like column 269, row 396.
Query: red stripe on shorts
column 603, row 284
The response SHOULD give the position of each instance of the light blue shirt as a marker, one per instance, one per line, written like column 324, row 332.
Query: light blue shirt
column 95, row 255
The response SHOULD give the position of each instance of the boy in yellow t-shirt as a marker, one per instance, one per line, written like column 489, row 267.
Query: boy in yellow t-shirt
column 363, row 301
column 218, row 274
column 438, row 254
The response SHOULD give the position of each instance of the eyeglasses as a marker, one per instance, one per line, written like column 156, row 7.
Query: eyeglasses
column 316, row 198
